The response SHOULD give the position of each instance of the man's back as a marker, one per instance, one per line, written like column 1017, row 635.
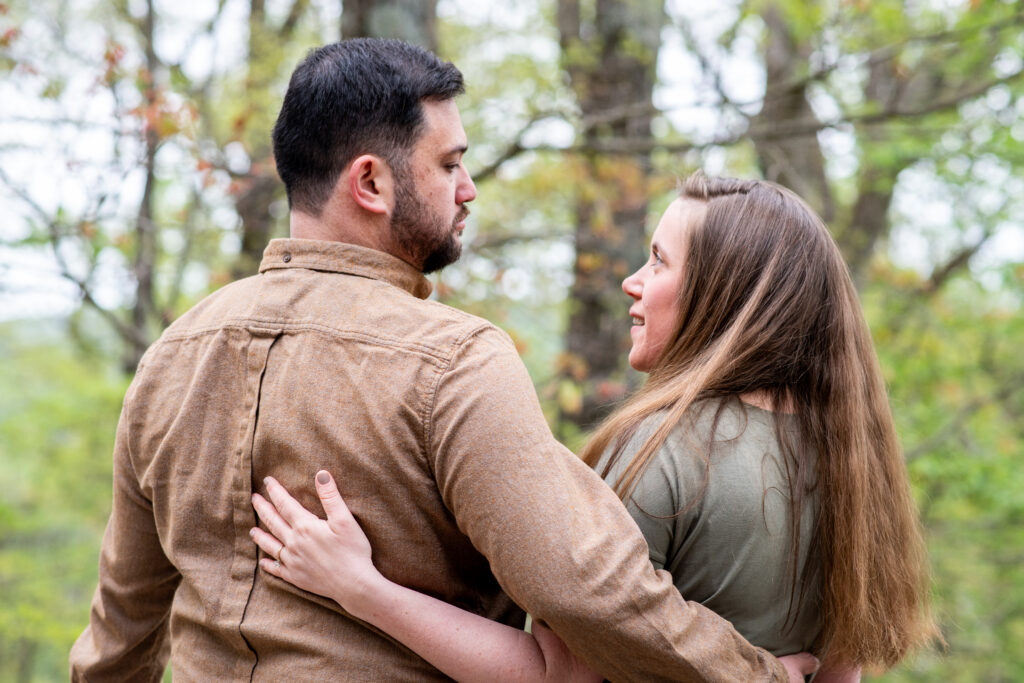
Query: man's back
column 309, row 365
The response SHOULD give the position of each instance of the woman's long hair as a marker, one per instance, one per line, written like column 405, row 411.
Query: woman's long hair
column 767, row 305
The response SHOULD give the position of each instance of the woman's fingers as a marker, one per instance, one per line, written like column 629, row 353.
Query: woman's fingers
column 271, row 564
column 275, row 568
column 289, row 508
column 346, row 529
column 267, row 543
column 800, row 665
column 271, row 519
column 329, row 557
column 330, row 498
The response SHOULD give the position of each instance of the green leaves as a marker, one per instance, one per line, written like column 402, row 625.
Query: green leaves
column 58, row 411
column 955, row 374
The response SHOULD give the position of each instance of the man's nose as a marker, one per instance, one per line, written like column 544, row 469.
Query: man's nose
column 465, row 191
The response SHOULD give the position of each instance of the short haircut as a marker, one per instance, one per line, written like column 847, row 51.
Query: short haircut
column 358, row 96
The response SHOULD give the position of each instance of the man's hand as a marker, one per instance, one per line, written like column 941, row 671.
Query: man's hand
column 799, row 666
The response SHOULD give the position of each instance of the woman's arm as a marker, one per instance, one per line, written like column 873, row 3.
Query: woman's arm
column 332, row 558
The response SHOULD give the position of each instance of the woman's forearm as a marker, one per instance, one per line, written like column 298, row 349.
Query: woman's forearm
column 463, row 645
column 332, row 558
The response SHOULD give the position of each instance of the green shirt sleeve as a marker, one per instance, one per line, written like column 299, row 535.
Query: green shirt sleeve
column 662, row 502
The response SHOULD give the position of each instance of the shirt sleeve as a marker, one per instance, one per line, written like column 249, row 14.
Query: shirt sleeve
column 559, row 541
column 666, row 499
column 653, row 505
column 126, row 638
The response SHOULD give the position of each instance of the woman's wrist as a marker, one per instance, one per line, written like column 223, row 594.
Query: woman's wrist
column 364, row 595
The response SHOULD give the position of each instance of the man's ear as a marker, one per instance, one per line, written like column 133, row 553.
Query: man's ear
column 371, row 184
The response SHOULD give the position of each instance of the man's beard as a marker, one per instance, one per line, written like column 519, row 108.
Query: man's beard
column 421, row 234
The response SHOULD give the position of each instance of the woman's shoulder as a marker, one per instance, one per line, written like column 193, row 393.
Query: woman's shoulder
column 724, row 438
column 720, row 419
column 726, row 430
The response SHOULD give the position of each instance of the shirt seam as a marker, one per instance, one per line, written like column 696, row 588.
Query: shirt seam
column 434, row 352
column 327, row 267
column 127, row 417
column 428, row 422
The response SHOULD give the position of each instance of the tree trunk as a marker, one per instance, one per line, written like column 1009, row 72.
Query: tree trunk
column 26, row 660
column 613, row 75
column 144, row 262
column 869, row 220
column 261, row 187
column 414, row 21
column 253, row 207
column 795, row 161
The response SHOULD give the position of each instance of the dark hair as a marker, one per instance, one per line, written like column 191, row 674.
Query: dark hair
column 349, row 98
column 766, row 304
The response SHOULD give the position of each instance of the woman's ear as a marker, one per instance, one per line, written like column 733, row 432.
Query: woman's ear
column 371, row 184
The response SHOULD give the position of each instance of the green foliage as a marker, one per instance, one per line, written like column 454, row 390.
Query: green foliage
column 58, row 411
column 948, row 342
column 954, row 369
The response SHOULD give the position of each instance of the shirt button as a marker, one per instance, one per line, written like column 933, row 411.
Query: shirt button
column 287, row 257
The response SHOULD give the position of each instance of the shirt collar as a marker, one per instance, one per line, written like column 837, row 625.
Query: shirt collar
column 340, row 257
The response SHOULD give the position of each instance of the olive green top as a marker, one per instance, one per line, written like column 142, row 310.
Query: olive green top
column 729, row 548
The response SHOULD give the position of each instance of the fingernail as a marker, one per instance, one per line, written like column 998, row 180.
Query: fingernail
column 266, row 480
column 322, row 477
column 252, row 532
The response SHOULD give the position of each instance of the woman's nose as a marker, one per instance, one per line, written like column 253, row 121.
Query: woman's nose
column 633, row 286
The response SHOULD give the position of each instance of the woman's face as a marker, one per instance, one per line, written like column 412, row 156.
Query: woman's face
column 655, row 287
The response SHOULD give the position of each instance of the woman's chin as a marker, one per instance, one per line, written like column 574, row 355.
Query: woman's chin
column 638, row 363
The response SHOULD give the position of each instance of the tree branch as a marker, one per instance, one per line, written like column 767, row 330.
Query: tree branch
column 950, row 267
column 188, row 228
column 205, row 29
column 489, row 241
column 783, row 130
column 128, row 333
column 516, row 147
column 298, row 8
column 1006, row 391
column 690, row 40
column 888, row 52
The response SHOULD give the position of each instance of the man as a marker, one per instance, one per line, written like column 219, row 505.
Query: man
column 331, row 358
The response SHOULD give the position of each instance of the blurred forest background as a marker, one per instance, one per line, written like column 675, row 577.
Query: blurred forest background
column 136, row 176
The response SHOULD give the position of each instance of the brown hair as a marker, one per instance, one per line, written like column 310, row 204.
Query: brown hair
column 766, row 304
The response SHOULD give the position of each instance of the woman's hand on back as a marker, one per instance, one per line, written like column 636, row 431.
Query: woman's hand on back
column 329, row 557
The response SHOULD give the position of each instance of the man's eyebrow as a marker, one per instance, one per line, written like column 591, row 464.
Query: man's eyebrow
column 458, row 149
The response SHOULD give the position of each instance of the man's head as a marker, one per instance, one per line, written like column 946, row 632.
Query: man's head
column 360, row 96
column 385, row 107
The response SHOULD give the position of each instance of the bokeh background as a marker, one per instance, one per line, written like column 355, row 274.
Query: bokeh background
column 136, row 177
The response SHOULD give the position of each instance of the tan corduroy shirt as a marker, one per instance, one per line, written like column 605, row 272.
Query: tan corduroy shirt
column 331, row 358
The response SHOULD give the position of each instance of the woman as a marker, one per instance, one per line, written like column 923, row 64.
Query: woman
column 760, row 459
